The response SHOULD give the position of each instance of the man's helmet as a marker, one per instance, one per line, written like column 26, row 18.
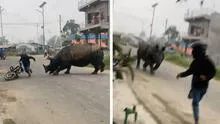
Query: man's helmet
column 199, row 45
column 199, row 48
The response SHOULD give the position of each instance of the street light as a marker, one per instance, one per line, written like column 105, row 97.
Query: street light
column 154, row 6
column 42, row 12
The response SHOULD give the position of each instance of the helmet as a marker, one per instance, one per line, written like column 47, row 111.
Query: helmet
column 199, row 45
column 199, row 49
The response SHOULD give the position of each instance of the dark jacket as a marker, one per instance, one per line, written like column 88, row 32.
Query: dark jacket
column 25, row 59
column 200, row 66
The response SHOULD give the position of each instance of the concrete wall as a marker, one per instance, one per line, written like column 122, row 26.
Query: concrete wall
column 214, row 38
column 200, row 23
column 103, row 7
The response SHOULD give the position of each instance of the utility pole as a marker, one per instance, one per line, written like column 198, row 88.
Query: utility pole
column 60, row 30
column 166, row 25
column 60, row 23
column 2, row 35
column 154, row 6
column 42, row 6
column 37, row 33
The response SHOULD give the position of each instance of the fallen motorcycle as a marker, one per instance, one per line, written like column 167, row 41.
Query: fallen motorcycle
column 14, row 72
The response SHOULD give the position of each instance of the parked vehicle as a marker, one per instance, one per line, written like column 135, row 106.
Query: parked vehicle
column 2, row 54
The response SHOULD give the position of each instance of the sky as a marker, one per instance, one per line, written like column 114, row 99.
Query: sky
column 133, row 16
column 25, row 11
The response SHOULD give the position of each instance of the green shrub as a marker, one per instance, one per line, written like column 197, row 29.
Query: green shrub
column 217, row 76
column 178, row 59
column 184, row 62
column 107, row 61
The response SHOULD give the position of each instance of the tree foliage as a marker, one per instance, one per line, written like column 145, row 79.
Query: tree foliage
column 71, row 27
column 66, row 43
column 172, row 33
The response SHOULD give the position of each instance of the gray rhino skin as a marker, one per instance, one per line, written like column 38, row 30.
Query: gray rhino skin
column 151, row 54
column 76, row 55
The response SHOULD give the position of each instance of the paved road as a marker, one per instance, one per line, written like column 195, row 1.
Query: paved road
column 77, row 98
column 172, row 92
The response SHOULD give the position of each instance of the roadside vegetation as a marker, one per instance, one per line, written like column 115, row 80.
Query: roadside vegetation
column 183, row 61
column 107, row 61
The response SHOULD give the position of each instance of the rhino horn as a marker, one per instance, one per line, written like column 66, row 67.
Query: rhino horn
column 45, row 68
column 157, row 46
column 163, row 48
column 49, row 58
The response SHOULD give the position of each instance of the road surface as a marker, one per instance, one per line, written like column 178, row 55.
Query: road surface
column 165, row 97
column 77, row 98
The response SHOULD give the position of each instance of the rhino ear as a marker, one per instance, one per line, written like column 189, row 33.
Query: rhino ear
column 163, row 48
column 157, row 47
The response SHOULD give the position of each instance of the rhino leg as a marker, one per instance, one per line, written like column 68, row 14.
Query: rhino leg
column 68, row 70
column 95, row 71
column 97, row 67
column 145, row 65
column 102, row 67
column 152, row 68
column 156, row 66
column 138, row 63
column 60, row 68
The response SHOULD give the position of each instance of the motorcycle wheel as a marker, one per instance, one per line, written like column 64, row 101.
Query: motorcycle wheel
column 10, row 76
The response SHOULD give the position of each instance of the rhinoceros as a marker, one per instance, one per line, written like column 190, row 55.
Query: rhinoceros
column 151, row 54
column 76, row 55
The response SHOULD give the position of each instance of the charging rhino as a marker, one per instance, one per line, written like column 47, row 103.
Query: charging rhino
column 151, row 54
column 76, row 55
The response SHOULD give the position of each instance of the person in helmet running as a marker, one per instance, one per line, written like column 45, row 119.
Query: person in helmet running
column 25, row 60
column 203, row 70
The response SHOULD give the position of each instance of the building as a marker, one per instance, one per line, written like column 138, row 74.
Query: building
column 96, row 18
column 204, row 25
column 31, row 48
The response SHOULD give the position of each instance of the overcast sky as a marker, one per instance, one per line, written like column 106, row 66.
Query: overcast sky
column 24, row 11
column 132, row 16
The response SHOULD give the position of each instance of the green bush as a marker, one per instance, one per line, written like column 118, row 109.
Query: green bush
column 107, row 61
column 184, row 62
column 217, row 76
column 178, row 59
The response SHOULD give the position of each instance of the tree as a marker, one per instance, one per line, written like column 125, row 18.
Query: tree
column 172, row 33
column 66, row 43
column 71, row 27
column 52, row 41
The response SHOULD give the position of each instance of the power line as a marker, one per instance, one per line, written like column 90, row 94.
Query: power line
column 27, row 24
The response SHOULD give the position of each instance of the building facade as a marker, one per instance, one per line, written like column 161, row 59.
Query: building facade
column 204, row 25
column 96, row 18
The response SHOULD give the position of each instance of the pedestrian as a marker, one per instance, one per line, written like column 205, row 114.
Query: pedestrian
column 203, row 70
column 45, row 53
column 25, row 61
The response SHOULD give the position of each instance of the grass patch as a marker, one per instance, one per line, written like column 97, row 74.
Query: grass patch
column 178, row 59
column 217, row 76
column 107, row 61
